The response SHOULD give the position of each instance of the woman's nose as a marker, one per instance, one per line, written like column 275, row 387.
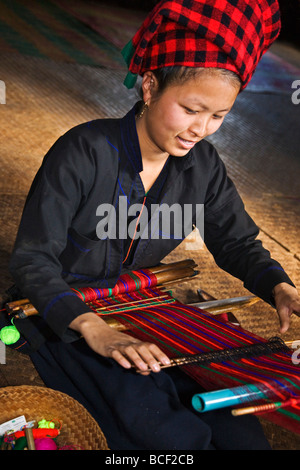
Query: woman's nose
column 199, row 127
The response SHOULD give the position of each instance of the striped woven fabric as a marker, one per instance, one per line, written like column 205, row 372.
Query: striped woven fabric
column 152, row 314
column 181, row 330
column 130, row 282
column 135, row 300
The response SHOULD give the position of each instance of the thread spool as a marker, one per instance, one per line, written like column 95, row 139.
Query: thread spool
column 44, row 424
column 9, row 335
column 45, row 443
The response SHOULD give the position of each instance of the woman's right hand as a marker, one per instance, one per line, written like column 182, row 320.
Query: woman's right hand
column 121, row 347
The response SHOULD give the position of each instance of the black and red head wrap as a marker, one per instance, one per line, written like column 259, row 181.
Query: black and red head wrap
column 228, row 34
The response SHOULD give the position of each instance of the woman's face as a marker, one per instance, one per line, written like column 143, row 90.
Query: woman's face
column 184, row 114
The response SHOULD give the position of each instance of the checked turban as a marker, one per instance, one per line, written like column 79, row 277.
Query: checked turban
column 229, row 34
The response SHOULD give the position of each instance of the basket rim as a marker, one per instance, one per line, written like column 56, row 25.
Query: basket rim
column 55, row 396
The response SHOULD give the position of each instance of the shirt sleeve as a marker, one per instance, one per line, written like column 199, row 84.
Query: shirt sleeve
column 230, row 234
column 57, row 191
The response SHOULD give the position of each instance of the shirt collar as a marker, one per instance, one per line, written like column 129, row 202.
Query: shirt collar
column 130, row 140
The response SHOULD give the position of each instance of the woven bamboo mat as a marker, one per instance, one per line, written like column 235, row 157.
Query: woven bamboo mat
column 117, row 24
column 44, row 29
column 259, row 142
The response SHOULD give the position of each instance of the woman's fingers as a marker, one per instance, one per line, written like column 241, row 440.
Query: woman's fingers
column 121, row 359
column 162, row 358
column 143, row 356
column 287, row 302
column 123, row 348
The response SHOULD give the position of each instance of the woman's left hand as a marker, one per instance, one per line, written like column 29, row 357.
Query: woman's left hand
column 287, row 302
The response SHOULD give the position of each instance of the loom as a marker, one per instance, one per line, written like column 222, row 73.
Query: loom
column 229, row 362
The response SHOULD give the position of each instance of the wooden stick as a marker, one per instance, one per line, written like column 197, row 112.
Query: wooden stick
column 181, row 280
column 165, row 277
column 290, row 343
column 29, row 437
column 255, row 409
column 265, row 407
column 187, row 263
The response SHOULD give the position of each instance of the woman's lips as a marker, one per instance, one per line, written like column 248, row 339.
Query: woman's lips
column 187, row 144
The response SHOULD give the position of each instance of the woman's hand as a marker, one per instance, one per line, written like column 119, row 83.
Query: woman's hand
column 287, row 301
column 124, row 349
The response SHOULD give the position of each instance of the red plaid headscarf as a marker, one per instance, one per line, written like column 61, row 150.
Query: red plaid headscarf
column 229, row 34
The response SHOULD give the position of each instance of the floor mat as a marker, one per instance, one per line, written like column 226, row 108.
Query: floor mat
column 114, row 23
column 51, row 88
column 43, row 29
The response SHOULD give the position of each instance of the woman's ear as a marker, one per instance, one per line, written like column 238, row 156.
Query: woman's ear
column 149, row 84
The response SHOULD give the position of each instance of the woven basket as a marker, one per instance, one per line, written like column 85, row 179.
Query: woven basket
column 78, row 427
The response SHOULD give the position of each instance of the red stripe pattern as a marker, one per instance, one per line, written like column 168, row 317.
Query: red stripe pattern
column 130, row 282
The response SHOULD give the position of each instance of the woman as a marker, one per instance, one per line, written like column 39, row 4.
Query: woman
column 194, row 60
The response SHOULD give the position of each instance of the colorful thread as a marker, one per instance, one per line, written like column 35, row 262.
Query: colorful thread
column 9, row 334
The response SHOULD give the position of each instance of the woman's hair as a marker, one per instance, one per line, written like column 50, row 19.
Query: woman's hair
column 177, row 75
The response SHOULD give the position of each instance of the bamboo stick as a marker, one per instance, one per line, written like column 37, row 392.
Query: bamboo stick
column 164, row 277
column 255, row 409
column 30, row 440
column 187, row 263
column 266, row 407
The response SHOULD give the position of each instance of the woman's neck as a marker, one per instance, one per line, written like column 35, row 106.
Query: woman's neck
column 153, row 158
column 151, row 154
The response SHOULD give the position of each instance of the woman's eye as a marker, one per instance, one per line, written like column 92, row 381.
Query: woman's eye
column 216, row 116
column 190, row 111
